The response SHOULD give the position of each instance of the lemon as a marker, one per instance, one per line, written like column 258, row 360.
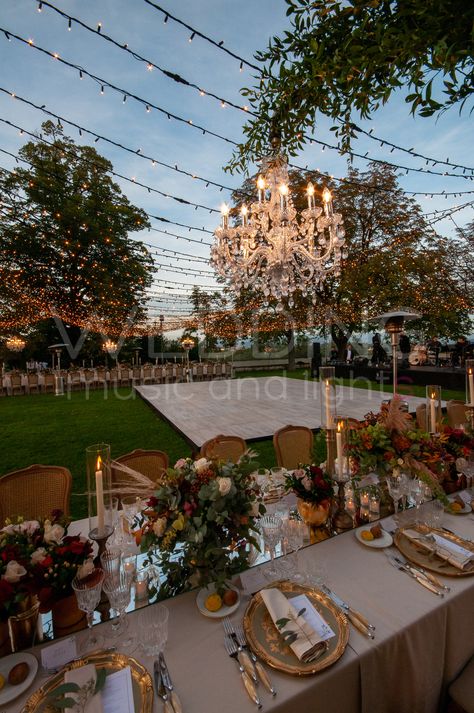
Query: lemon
column 213, row 602
column 367, row 535
column 456, row 507
column 2, row 681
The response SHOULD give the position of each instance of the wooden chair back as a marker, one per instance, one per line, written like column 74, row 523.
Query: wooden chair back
column 293, row 445
column 35, row 491
column 225, row 448
column 150, row 463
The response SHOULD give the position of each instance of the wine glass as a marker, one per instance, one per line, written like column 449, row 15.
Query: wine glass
column 395, row 488
column 153, row 629
column 111, row 560
column 131, row 505
column 87, row 591
column 295, row 533
column 417, row 492
column 118, row 591
column 271, row 528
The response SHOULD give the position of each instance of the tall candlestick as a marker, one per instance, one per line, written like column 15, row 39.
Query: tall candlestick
column 328, row 405
column 433, row 414
column 340, row 459
column 99, row 491
column 471, row 386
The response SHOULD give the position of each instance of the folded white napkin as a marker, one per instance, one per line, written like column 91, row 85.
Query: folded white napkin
column 458, row 556
column 82, row 676
column 308, row 644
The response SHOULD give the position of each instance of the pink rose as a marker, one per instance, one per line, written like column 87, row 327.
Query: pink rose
column 180, row 463
column 299, row 473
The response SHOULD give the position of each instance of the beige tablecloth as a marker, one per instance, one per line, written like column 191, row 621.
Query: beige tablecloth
column 421, row 644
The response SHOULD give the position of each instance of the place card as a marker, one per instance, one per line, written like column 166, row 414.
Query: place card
column 59, row 654
column 312, row 617
column 117, row 694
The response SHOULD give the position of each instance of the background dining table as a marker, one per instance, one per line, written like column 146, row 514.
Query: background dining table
column 422, row 641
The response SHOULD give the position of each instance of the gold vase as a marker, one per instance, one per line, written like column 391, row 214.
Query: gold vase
column 67, row 617
column 23, row 627
column 315, row 515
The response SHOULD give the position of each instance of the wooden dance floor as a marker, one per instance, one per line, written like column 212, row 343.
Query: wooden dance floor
column 253, row 408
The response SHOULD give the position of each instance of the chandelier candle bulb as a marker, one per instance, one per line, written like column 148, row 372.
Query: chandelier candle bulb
column 225, row 215
column 310, row 192
column 283, row 190
column 261, row 188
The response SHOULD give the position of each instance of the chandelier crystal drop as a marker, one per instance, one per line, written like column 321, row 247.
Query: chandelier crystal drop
column 272, row 249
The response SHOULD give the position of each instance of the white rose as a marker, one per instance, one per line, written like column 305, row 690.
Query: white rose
column 38, row 555
column 225, row 485
column 29, row 526
column 201, row 464
column 159, row 526
column 400, row 461
column 85, row 569
column 53, row 533
column 14, row 572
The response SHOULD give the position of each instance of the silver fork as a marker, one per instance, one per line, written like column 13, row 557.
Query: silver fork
column 263, row 675
column 243, row 657
column 233, row 652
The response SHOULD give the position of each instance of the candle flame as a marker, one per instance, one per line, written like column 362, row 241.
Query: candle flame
column 98, row 465
column 433, row 395
column 310, row 189
column 283, row 188
column 225, row 209
column 244, row 210
column 261, row 183
column 327, row 195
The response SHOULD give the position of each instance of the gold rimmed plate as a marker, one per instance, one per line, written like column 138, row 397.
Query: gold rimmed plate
column 267, row 643
column 420, row 556
column 141, row 682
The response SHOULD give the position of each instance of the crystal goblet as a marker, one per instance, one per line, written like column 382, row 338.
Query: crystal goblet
column 271, row 528
column 87, row 591
column 118, row 591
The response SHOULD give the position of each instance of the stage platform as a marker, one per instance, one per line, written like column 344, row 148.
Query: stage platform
column 446, row 377
column 253, row 408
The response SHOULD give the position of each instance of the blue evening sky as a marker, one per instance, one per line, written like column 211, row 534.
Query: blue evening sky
column 244, row 27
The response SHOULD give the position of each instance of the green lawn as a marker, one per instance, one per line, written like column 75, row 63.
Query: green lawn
column 56, row 430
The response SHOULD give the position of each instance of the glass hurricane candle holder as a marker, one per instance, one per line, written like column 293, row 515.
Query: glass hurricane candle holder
column 470, row 382
column 341, row 469
column 99, row 487
column 327, row 385
column 433, row 408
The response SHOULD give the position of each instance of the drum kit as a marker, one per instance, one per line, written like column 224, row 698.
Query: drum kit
column 421, row 356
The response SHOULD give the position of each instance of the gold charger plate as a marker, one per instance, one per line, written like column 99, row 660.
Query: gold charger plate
column 423, row 558
column 141, row 682
column 267, row 643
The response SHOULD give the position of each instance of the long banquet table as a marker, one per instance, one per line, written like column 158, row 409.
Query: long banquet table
column 422, row 643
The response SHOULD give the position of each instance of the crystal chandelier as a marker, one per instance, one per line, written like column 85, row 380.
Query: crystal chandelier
column 274, row 251
column 15, row 344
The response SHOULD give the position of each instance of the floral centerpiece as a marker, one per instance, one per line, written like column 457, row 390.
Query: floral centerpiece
column 38, row 557
column 199, row 522
column 391, row 441
column 314, row 490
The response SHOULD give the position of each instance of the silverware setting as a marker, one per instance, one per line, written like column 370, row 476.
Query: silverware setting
column 428, row 575
column 249, row 684
column 356, row 618
column 164, row 686
column 254, row 666
column 421, row 579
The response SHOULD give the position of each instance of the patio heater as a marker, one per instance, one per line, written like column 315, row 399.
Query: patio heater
column 393, row 323
column 56, row 349
column 187, row 343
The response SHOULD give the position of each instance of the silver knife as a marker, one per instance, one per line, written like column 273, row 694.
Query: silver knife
column 174, row 698
column 356, row 619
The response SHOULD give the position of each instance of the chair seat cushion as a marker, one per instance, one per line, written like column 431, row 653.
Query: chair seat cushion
column 462, row 689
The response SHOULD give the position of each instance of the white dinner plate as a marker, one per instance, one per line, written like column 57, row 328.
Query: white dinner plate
column 223, row 611
column 9, row 692
column 384, row 541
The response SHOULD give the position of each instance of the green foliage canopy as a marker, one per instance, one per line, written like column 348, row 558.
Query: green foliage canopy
column 64, row 245
column 346, row 57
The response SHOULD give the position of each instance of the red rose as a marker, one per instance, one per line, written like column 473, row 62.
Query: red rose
column 47, row 562
column 152, row 501
column 315, row 471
